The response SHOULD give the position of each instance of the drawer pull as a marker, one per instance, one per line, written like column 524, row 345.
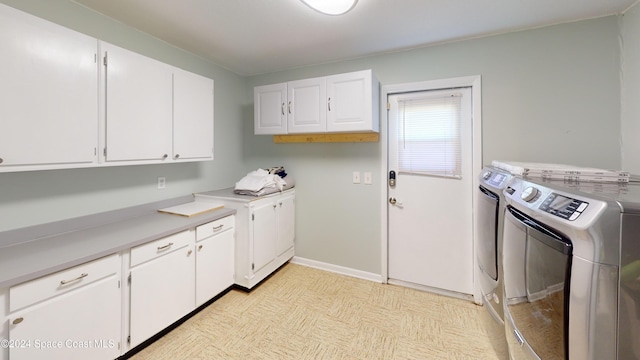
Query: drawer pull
column 82, row 276
column 17, row 321
column 189, row 252
column 160, row 248
column 219, row 227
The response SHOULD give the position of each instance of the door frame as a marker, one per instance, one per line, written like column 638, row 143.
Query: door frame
column 474, row 82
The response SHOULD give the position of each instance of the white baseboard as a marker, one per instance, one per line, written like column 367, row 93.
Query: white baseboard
column 337, row 269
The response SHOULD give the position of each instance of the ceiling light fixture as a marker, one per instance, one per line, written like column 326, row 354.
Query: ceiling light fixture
column 331, row 7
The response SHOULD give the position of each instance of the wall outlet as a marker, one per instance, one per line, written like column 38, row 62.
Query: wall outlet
column 356, row 177
column 162, row 182
column 367, row 178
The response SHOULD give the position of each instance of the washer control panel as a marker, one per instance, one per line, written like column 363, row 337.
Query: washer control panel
column 562, row 206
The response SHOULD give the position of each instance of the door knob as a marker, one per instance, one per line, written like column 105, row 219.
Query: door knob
column 392, row 201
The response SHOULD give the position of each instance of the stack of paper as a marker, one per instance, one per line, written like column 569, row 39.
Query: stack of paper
column 563, row 172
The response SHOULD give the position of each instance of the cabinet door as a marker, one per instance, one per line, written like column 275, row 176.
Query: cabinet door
column 350, row 102
column 270, row 109
column 192, row 116
column 307, row 107
column 138, row 106
column 162, row 291
column 81, row 324
column 214, row 266
column 48, row 92
column 286, row 223
column 264, row 234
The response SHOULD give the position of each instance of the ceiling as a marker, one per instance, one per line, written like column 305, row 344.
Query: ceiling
column 251, row 37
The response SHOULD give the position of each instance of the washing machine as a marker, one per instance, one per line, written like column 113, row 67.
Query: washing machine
column 571, row 258
column 490, row 213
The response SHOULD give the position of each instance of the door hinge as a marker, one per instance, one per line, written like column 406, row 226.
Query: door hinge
column 104, row 152
column 95, row 58
column 104, row 60
column 95, row 151
column 129, row 339
column 253, row 216
column 119, row 345
column 118, row 284
column 388, row 106
column 253, row 266
column 129, row 279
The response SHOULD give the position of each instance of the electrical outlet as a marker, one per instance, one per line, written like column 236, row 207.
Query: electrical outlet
column 162, row 182
column 367, row 178
column 356, row 177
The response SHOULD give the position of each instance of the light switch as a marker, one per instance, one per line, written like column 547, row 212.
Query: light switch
column 367, row 178
column 162, row 182
column 356, row 177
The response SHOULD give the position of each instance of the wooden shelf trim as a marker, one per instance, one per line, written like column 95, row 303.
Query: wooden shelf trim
column 326, row 138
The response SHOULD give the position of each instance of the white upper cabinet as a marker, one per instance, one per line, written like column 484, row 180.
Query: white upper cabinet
column 138, row 106
column 352, row 102
column 270, row 109
column 192, row 116
column 306, row 108
column 338, row 103
column 70, row 100
column 48, row 92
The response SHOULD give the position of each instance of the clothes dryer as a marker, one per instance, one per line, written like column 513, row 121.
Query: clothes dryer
column 571, row 261
column 490, row 212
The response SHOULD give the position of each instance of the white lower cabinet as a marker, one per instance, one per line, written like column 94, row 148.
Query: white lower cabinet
column 265, row 232
column 72, row 314
column 104, row 308
column 215, row 243
column 162, row 286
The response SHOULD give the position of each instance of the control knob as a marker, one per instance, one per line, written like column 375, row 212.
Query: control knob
column 529, row 194
column 486, row 175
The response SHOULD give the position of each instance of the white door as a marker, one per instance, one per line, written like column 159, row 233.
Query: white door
column 270, row 109
column 192, row 116
column 430, row 207
column 306, row 106
column 139, row 101
column 265, row 236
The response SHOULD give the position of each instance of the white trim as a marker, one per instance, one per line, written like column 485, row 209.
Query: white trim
column 337, row 269
column 476, row 94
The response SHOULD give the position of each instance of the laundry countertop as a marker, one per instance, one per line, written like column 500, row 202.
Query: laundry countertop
column 110, row 233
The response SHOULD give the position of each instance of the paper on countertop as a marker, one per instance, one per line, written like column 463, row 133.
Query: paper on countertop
column 192, row 208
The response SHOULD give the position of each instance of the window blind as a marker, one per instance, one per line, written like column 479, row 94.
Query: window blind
column 429, row 139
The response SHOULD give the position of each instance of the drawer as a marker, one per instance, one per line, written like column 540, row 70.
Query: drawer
column 157, row 248
column 48, row 286
column 215, row 227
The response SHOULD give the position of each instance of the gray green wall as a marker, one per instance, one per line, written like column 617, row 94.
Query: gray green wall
column 31, row 198
column 550, row 94
column 630, row 75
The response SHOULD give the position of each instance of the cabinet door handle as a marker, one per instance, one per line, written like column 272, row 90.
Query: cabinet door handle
column 329, row 105
column 17, row 321
column 218, row 228
column 165, row 156
column 160, row 248
column 199, row 247
column 289, row 107
column 189, row 252
column 82, row 276
column 283, row 109
column 1, row 161
column 177, row 156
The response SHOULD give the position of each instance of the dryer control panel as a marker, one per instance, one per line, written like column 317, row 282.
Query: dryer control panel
column 563, row 206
